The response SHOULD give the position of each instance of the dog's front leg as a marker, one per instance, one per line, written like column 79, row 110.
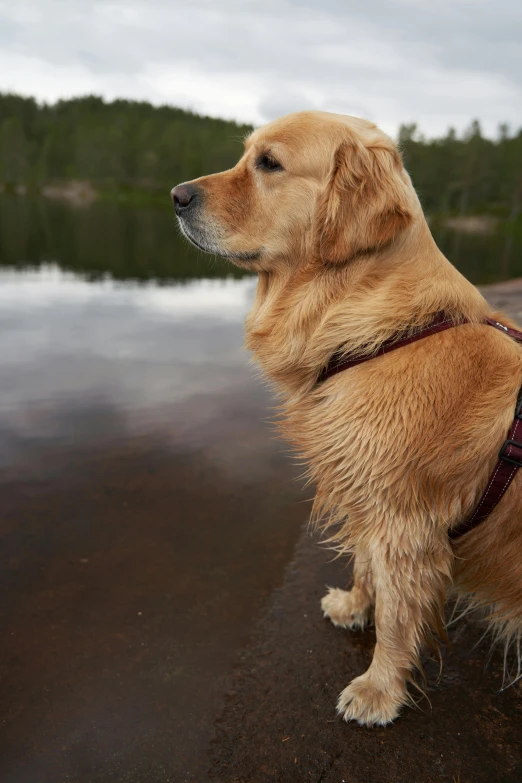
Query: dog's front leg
column 352, row 608
column 410, row 589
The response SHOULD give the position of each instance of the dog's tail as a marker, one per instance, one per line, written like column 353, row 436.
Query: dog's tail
column 488, row 574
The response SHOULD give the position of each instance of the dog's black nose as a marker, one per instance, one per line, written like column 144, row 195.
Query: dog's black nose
column 184, row 197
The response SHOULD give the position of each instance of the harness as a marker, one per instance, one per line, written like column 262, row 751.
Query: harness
column 510, row 455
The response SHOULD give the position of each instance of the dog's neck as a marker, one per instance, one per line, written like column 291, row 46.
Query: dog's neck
column 301, row 317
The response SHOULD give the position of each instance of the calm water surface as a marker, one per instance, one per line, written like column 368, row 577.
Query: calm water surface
column 147, row 510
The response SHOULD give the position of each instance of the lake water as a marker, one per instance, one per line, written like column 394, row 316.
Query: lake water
column 148, row 512
column 143, row 244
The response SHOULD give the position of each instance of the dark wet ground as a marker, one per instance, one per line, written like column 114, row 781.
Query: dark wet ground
column 279, row 723
column 161, row 618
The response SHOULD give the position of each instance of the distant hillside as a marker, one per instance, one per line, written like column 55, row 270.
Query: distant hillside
column 123, row 142
column 129, row 145
column 468, row 174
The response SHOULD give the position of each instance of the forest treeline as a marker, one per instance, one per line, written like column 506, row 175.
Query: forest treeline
column 130, row 144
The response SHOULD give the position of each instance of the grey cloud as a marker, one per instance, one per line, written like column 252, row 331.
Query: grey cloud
column 391, row 60
column 277, row 103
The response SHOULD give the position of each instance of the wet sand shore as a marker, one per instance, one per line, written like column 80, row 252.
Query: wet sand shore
column 162, row 618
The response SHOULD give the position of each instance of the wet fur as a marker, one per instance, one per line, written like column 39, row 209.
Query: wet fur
column 399, row 448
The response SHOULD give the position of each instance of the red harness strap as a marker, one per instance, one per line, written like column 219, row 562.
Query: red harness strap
column 510, row 455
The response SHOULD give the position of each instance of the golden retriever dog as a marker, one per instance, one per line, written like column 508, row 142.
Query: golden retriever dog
column 400, row 447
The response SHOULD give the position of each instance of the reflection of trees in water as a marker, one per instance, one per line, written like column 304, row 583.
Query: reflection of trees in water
column 483, row 257
column 143, row 243
column 140, row 243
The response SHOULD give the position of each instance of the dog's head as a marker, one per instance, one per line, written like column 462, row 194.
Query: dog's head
column 310, row 185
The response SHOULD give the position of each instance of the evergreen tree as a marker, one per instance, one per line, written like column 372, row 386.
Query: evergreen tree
column 134, row 144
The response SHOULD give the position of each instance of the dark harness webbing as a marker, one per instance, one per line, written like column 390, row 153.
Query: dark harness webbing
column 510, row 455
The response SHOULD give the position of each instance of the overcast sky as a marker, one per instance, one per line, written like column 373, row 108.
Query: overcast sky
column 436, row 62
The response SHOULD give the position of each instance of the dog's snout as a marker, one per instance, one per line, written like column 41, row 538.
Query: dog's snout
column 185, row 197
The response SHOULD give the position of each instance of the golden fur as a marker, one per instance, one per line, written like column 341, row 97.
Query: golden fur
column 399, row 448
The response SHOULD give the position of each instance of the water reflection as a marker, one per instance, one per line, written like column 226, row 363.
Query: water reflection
column 100, row 240
column 67, row 344
column 483, row 257
column 147, row 513
column 56, row 330
column 143, row 243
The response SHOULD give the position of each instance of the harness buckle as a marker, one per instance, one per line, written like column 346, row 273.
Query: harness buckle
column 502, row 453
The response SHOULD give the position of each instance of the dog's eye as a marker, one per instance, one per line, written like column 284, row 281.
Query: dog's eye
column 267, row 163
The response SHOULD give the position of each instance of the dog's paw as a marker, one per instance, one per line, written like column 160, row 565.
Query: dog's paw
column 370, row 704
column 346, row 608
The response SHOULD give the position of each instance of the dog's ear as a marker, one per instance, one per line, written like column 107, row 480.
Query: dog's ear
column 366, row 201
